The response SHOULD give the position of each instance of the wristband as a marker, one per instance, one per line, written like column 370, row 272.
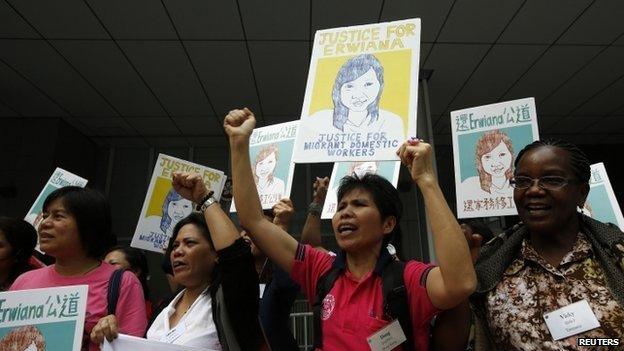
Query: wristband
column 315, row 209
column 200, row 205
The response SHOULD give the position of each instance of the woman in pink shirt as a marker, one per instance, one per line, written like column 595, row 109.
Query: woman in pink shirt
column 76, row 231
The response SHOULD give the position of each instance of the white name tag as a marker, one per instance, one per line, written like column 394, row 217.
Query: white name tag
column 174, row 333
column 387, row 338
column 262, row 287
column 571, row 320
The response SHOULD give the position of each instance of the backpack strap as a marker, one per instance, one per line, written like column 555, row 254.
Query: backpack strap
column 395, row 300
column 112, row 295
column 323, row 286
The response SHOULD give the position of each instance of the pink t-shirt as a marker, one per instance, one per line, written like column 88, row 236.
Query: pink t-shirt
column 353, row 310
column 131, row 315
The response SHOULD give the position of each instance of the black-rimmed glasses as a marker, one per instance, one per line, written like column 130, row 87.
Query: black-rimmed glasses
column 547, row 183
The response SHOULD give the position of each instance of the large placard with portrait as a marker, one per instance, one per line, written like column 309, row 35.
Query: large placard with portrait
column 387, row 169
column 486, row 140
column 43, row 319
column 163, row 207
column 271, row 152
column 601, row 203
column 361, row 96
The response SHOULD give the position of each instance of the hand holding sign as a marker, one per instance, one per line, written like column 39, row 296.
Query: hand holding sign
column 283, row 211
column 416, row 156
column 107, row 328
column 239, row 123
column 189, row 185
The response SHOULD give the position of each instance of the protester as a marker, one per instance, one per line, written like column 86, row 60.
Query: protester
column 218, row 307
column 124, row 257
column 368, row 216
column 17, row 243
column 555, row 258
column 76, row 231
column 277, row 291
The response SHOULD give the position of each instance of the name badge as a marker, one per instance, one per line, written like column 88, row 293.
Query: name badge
column 571, row 320
column 174, row 333
column 262, row 287
column 387, row 338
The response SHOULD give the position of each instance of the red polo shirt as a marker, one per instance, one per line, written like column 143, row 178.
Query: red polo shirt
column 353, row 310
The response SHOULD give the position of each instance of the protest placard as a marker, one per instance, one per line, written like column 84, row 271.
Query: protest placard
column 128, row 342
column 486, row 140
column 60, row 178
column 270, row 152
column 601, row 203
column 387, row 169
column 43, row 319
column 361, row 96
column 163, row 207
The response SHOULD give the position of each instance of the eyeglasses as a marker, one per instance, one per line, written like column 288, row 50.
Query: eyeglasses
column 546, row 183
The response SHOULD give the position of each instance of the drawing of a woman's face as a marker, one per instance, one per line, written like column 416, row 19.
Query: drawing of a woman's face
column 497, row 161
column 179, row 209
column 365, row 168
column 266, row 166
column 361, row 92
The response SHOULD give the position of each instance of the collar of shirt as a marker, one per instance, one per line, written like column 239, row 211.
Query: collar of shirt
column 580, row 251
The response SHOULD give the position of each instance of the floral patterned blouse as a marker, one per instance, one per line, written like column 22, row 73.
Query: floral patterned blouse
column 532, row 287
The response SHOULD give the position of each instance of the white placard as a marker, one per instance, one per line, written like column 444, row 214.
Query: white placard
column 163, row 207
column 128, row 342
column 486, row 140
column 270, row 152
column 387, row 169
column 601, row 203
column 50, row 318
column 361, row 96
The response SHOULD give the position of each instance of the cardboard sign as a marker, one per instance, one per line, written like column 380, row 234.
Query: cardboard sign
column 361, row 96
column 163, row 207
column 486, row 140
column 601, row 203
column 270, row 152
column 43, row 319
column 387, row 169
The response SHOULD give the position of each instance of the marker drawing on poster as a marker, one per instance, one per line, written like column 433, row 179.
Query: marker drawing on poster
column 387, row 169
column 601, row 203
column 43, row 319
column 486, row 140
column 361, row 96
column 128, row 342
column 60, row 178
column 163, row 207
column 270, row 152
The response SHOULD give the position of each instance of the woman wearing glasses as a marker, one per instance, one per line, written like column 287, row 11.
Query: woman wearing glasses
column 556, row 258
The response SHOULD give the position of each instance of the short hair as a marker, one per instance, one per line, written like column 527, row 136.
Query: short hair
column 488, row 141
column 384, row 194
column 93, row 217
column 579, row 162
column 198, row 220
column 350, row 71
column 137, row 260
column 23, row 238
column 264, row 153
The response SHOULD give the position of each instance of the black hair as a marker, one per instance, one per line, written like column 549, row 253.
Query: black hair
column 199, row 221
column 385, row 196
column 138, row 262
column 93, row 217
column 22, row 237
column 579, row 162
column 479, row 227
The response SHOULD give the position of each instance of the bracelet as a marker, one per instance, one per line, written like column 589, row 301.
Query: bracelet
column 315, row 209
column 207, row 197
